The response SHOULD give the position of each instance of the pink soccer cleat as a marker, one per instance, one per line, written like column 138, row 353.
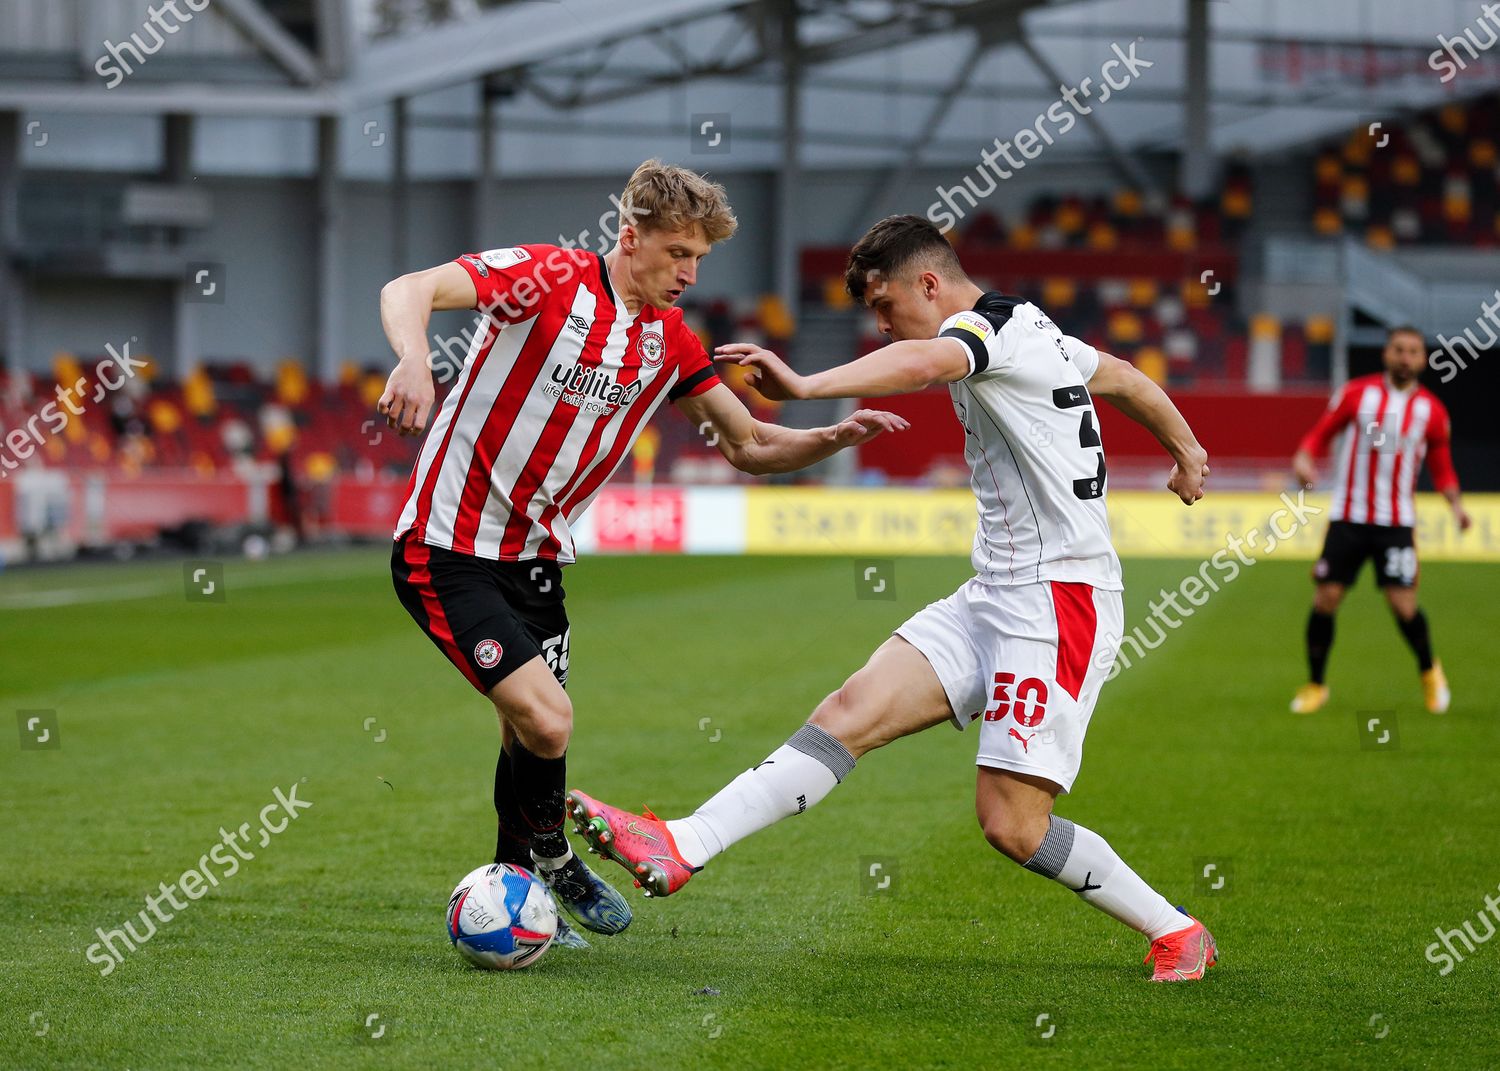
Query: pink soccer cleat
column 641, row 843
column 1183, row 956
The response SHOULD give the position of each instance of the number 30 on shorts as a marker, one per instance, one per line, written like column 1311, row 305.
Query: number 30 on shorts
column 1401, row 563
column 1029, row 703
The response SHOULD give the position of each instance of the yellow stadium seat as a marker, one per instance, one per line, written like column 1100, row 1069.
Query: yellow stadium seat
column 1152, row 363
column 1069, row 218
column 1143, row 293
column 291, row 384
column 1058, row 293
column 1127, row 203
column 1318, row 329
column 320, row 466
column 1124, row 327
column 198, row 394
column 371, row 387
column 1264, row 326
column 775, row 317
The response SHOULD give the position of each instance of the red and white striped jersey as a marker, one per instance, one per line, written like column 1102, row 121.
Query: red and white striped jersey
column 558, row 383
column 1384, row 435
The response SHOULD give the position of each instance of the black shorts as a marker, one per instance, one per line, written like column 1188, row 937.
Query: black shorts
column 489, row 617
column 1393, row 549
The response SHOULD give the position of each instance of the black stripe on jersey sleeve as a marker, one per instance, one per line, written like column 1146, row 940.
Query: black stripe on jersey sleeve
column 685, row 386
column 976, row 346
column 609, row 290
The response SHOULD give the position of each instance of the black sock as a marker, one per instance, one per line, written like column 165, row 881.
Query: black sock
column 1415, row 631
column 1319, row 643
column 540, row 787
column 512, row 841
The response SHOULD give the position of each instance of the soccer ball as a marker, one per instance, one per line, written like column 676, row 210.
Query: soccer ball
column 501, row 917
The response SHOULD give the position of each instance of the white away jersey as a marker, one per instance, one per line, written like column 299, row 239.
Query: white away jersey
column 1031, row 438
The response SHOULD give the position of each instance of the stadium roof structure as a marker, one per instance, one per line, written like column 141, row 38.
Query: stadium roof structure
column 856, row 82
column 479, row 89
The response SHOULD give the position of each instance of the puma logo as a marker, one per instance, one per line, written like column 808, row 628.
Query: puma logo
column 1086, row 887
column 1025, row 740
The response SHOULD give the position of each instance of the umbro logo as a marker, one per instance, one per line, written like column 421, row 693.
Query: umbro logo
column 578, row 325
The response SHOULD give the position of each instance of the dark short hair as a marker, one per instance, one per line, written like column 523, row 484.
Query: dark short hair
column 1405, row 329
column 894, row 245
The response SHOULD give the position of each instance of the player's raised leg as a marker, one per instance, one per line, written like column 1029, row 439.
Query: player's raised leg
column 1015, row 812
column 895, row 694
column 1311, row 697
column 1413, row 625
column 533, row 705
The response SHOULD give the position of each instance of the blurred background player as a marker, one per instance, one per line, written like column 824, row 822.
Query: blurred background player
column 576, row 352
column 1025, row 646
column 1387, row 423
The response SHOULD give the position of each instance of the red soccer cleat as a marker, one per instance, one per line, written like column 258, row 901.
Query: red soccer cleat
column 1183, row 956
column 641, row 843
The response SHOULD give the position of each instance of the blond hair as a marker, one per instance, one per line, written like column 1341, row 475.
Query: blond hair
column 663, row 197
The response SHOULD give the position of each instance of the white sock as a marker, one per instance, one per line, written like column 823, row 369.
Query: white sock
column 795, row 776
column 1083, row 861
column 543, row 863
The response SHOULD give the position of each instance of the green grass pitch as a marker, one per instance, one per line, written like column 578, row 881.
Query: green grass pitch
column 175, row 718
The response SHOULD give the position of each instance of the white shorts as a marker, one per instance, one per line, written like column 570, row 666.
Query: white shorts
column 1029, row 660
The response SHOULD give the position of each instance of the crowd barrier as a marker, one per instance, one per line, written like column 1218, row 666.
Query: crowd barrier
column 92, row 509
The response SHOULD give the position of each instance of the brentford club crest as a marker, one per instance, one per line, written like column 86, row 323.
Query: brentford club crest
column 650, row 345
column 487, row 653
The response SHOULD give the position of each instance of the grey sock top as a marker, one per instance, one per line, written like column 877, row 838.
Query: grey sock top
column 819, row 744
column 1052, row 854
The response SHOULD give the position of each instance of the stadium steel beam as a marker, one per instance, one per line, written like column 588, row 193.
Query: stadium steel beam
column 336, row 40
column 898, row 29
column 789, row 176
column 176, row 171
column 504, row 39
column 330, row 272
column 1129, row 167
column 400, row 189
column 271, row 37
column 484, row 182
column 253, row 102
column 1196, row 164
column 10, row 240
column 883, row 195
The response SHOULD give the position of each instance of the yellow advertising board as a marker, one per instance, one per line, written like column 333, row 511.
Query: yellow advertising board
column 1146, row 524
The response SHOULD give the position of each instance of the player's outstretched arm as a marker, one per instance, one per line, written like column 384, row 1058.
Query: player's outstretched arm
column 406, row 305
column 1444, row 475
column 1133, row 393
column 900, row 368
column 759, row 448
column 1334, row 419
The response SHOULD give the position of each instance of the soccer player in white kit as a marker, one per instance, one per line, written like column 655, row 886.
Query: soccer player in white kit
column 1024, row 647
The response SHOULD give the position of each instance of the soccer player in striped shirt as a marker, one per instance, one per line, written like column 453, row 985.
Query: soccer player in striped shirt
column 1387, row 424
column 573, row 354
